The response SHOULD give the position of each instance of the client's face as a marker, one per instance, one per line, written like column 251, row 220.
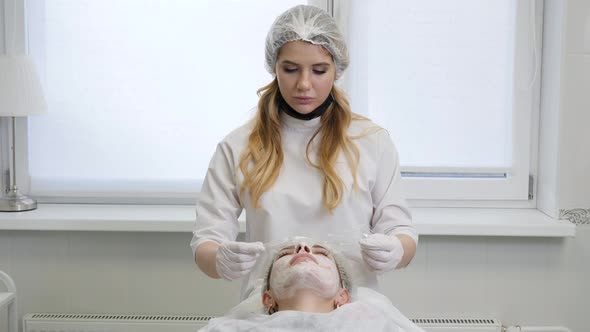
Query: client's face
column 303, row 266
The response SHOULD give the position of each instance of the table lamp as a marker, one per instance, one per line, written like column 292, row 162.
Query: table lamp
column 20, row 95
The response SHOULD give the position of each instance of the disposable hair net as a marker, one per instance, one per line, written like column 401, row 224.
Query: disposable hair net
column 310, row 24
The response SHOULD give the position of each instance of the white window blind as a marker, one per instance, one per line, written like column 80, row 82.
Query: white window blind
column 455, row 84
column 140, row 92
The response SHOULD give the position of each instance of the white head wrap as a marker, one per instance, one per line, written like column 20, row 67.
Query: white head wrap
column 310, row 24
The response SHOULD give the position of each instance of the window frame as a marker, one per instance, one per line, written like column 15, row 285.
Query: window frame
column 514, row 191
column 420, row 191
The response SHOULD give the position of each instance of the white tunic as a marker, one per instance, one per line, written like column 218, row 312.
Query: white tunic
column 293, row 206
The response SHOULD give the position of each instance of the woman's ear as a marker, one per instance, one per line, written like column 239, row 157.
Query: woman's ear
column 342, row 297
column 268, row 301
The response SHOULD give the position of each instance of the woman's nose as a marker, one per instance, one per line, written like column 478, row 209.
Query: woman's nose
column 303, row 82
column 303, row 247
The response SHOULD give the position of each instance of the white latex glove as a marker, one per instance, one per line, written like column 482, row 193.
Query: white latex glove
column 382, row 252
column 236, row 259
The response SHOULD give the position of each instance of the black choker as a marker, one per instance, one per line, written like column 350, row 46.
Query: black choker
column 311, row 115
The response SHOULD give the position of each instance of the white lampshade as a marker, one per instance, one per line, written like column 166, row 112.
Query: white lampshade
column 20, row 90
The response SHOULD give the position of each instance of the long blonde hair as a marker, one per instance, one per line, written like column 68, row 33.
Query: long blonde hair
column 261, row 160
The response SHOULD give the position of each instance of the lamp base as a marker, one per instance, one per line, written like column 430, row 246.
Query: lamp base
column 15, row 202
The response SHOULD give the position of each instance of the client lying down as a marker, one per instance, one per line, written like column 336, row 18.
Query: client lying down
column 306, row 288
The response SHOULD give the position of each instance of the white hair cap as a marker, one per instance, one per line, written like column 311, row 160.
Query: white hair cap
column 310, row 24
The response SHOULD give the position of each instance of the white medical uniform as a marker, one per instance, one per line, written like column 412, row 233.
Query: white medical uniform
column 293, row 206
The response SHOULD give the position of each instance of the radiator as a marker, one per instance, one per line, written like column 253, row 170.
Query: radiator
column 112, row 323
column 458, row 324
column 158, row 323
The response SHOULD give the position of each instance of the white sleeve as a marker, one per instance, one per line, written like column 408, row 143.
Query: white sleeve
column 390, row 210
column 218, row 205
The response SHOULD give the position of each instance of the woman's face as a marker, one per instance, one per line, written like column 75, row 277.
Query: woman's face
column 306, row 74
column 303, row 266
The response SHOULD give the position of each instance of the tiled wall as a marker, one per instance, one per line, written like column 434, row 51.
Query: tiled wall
column 534, row 281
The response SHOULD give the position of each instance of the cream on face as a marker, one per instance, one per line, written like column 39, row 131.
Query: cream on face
column 304, row 267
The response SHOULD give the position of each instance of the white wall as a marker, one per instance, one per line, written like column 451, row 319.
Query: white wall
column 529, row 281
column 565, row 113
column 517, row 280
column 574, row 161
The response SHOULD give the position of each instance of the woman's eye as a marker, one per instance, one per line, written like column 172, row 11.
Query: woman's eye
column 322, row 252
column 283, row 253
column 290, row 70
column 319, row 72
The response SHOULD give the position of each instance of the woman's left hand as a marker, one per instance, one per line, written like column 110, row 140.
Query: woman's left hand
column 382, row 252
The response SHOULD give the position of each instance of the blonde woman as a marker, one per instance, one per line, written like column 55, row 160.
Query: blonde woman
column 306, row 165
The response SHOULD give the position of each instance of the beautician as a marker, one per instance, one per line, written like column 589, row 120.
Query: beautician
column 306, row 165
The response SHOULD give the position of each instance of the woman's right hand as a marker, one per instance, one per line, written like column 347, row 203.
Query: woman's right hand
column 235, row 259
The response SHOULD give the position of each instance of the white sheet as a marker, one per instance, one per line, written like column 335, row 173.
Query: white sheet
column 370, row 311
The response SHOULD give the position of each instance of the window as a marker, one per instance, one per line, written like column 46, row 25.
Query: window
column 140, row 93
column 455, row 83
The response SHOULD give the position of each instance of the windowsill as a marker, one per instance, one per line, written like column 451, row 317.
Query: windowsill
column 180, row 218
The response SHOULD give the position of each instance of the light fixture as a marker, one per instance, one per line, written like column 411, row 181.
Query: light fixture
column 20, row 95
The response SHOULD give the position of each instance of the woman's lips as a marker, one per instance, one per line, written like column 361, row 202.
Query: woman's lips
column 304, row 100
column 300, row 257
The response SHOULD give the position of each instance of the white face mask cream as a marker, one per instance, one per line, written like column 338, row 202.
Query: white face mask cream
column 310, row 269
